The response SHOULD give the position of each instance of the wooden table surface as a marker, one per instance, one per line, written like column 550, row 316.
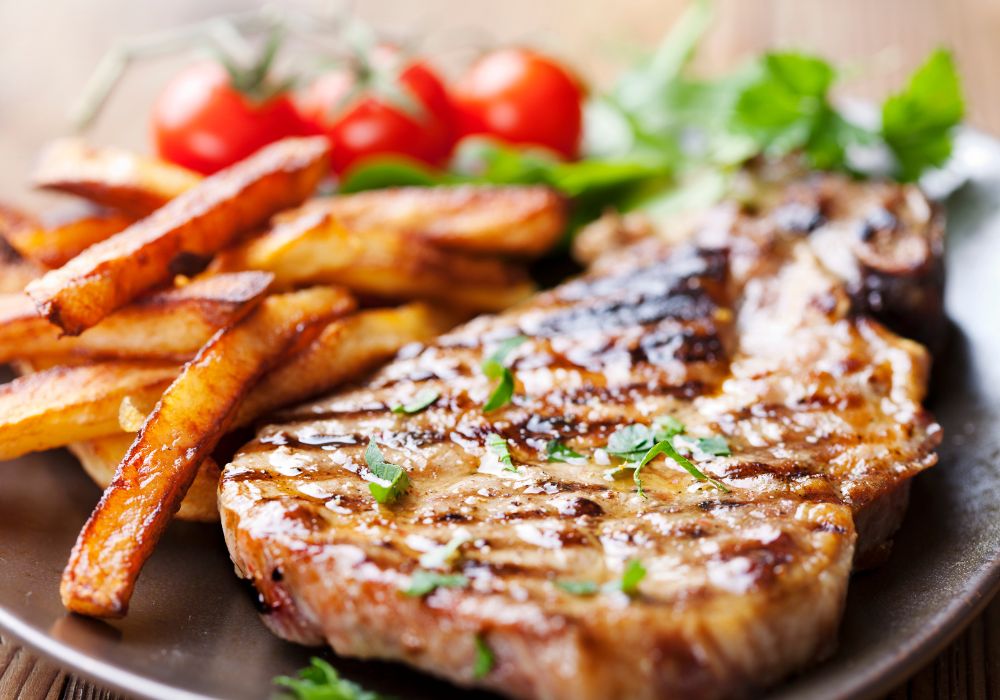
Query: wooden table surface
column 49, row 48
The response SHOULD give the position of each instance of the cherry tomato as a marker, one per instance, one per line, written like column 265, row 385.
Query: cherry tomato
column 202, row 122
column 522, row 98
column 376, row 122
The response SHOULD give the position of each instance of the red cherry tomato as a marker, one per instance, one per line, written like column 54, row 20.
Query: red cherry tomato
column 522, row 98
column 372, row 124
column 202, row 122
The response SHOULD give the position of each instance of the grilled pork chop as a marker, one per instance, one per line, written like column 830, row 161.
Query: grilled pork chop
column 754, row 340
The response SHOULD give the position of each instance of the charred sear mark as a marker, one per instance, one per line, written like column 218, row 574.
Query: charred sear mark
column 452, row 518
column 748, row 470
column 627, row 393
column 580, row 507
column 684, row 269
column 260, row 603
column 662, row 345
column 763, row 559
column 637, row 310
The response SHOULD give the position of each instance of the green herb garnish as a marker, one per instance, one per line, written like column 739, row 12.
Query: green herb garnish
column 484, row 659
column 580, row 588
column 444, row 556
column 320, row 681
column 639, row 444
column 392, row 481
column 628, row 584
column 558, row 452
column 419, row 403
column 667, row 426
column 663, row 140
column 666, row 447
column 494, row 368
column 498, row 446
column 632, row 576
column 918, row 122
column 715, row 445
column 423, row 582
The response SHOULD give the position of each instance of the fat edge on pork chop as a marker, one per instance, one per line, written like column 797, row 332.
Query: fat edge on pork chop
column 753, row 340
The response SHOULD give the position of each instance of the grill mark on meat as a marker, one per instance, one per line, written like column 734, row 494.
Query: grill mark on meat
column 690, row 305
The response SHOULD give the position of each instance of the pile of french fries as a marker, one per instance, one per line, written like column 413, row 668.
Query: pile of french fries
column 173, row 309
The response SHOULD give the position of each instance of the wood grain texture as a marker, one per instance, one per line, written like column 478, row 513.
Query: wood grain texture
column 880, row 40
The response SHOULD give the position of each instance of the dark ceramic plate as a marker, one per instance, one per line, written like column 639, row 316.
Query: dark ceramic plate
column 192, row 631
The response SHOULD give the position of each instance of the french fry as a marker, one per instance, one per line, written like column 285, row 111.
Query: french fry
column 57, row 406
column 131, row 183
column 183, row 429
column 100, row 458
column 344, row 350
column 165, row 325
column 54, row 244
column 196, row 223
column 523, row 221
column 314, row 246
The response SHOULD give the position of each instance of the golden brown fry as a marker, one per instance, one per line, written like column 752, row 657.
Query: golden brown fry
column 506, row 220
column 343, row 351
column 166, row 325
column 199, row 222
column 131, row 183
column 182, row 431
column 312, row 245
column 100, row 458
column 61, row 405
column 55, row 244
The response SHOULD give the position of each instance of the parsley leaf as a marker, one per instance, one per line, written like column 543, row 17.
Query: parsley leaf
column 422, row 400
column 917, row 123
column 484, row 659
column 494, row 368
column 423, row 582
column 632, row 576
column 580, row 588
column 320, row 681
column 498, row 446
column 666, row 447
column 392, row 481
column 445, row 556
column 667, row 426
column 630, row 442
column 558, row 452
column 787, row 108
column 714, row 445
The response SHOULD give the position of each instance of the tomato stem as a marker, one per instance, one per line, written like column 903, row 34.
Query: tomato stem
column 226, row 36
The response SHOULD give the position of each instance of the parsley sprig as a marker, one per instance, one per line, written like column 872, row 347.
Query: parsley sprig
column 555, row 451
column 628, row 583
column 494, row 367
column 424, row 582
column 423, row 400
column 321, row 681
column 485, row 659
column 391, row 481
column 498, row 446
column 638, row 445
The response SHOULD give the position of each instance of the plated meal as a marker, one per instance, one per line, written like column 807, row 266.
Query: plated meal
column 549, row 394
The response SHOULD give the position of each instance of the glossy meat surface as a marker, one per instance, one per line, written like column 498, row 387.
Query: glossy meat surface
column 753, row 339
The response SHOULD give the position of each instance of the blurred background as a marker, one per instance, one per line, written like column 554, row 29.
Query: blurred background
column 50, row 47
